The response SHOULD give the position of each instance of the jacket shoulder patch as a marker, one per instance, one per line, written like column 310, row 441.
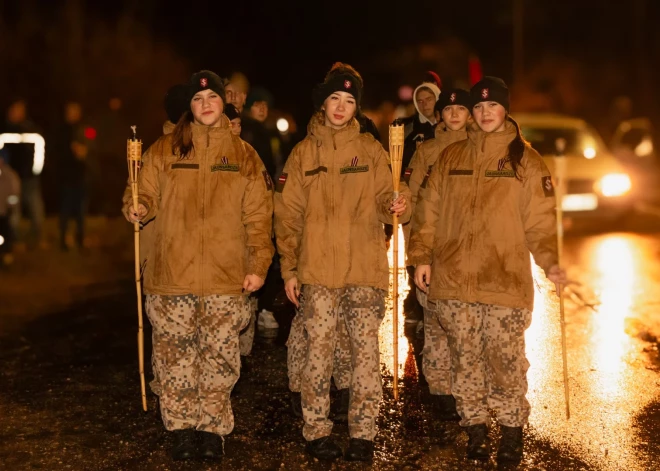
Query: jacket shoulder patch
column 268, row 180
column 279, row 186
column 406, row 174
column 548, row 187
column 426, row 177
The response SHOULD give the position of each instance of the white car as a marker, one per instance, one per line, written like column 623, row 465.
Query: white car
column 597, row 183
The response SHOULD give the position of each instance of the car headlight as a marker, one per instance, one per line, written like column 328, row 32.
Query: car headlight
column 614, row 184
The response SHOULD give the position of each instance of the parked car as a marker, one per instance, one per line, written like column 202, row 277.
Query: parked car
column 597, row 183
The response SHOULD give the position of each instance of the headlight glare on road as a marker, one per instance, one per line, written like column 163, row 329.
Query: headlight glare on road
column 614, row 184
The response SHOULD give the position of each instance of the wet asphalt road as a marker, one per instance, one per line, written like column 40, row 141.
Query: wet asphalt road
column 69, row 388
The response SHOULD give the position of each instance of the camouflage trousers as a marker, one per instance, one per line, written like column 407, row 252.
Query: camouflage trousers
column 297, row 353
column 489, row 367
column 246, row 337
column 362, row 309
column 196, row 358
column 436, row 361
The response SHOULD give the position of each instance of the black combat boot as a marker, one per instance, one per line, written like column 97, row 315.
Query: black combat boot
column 445, row 408
column 478, row 447
column 185, row 446
column 511, row 444
column 339, row 410
column 359, row 450
column 324, row 449
column 296, row 404
column 211, row 447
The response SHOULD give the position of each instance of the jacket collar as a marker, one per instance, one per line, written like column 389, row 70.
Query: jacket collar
column 492, row 143
column 446, row 135
column 202, row 131
column 325, row 135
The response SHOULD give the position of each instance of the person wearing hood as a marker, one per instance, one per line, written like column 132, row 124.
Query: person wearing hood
column 486, row 204
column 453, row 111
column 211, row 201
column 330, row 203
column 421, row 125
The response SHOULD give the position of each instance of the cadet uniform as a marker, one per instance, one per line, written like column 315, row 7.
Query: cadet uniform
column 475, row 224
column 330, row 204
column 212, row 227
column 435, row 361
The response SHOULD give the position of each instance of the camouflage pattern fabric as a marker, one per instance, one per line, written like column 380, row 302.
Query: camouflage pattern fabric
column 297, row 353
column 196, row 358
column 363, row 309
column 436, row 361
column 246, row 338
column 489, row 367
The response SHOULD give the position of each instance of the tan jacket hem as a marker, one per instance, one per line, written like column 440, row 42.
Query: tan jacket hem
column 234, row 290
column 484, row 297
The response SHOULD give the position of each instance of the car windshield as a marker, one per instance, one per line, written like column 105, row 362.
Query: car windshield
column 579, row 143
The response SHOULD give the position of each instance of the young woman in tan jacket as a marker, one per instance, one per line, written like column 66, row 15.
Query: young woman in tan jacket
column 486, row 204
column 330, row 203
column 211, row 201
column 453, row 108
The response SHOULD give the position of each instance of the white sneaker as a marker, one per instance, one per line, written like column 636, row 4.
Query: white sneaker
column 267, row 320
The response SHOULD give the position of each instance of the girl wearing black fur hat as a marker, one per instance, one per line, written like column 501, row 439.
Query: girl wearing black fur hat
column 453, row 112
column 210, row 200
column 486, row 204
column 330, row 203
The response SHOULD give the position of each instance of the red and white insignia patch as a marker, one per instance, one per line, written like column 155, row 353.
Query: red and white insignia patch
column 282, row 179
column 452, row 97
column 203, row 82
column 354, row 162
column 225, row 161
column 484, row 93
column 347, row 84
column 408, row 172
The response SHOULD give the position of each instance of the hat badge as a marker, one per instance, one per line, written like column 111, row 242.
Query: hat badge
column 452, row 97
column 204, row 81
column 484, row 93
column 347, row 84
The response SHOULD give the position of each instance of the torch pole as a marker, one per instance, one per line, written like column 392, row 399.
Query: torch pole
column 134, row 158
column 560, row 173
column 396, row 158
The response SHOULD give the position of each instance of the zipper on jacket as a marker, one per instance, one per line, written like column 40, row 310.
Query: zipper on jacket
column 475, row 188
column 334, row 144
column 203, row 258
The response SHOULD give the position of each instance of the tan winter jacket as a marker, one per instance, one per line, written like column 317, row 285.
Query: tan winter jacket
column 330, row 205
column 213, row 214
column 424, row 158
column 475, row 223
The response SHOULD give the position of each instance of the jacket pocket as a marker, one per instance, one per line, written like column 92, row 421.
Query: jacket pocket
column 447, row 270
column 500, row 267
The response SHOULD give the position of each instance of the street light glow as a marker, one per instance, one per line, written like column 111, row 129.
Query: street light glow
column 282, row 125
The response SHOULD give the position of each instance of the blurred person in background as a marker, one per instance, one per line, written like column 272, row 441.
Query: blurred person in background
column 72, row 150
column 234, row 119
column 487, row 203
column 204, row 265
column 237, row 88
column 21, row 159
column 453, row 110
column 10, row 190
column 421, row 125
column 254, row 130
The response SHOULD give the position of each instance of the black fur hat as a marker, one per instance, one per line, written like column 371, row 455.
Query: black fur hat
column 453, row 96
column 205, row 80
column 342, row 77
column 490, row 89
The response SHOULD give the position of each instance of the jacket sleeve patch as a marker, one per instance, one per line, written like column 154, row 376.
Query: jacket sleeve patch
column 279, row 186
column 406, row 174
column 548, row 188
column 268, row 180
column 426, row 177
